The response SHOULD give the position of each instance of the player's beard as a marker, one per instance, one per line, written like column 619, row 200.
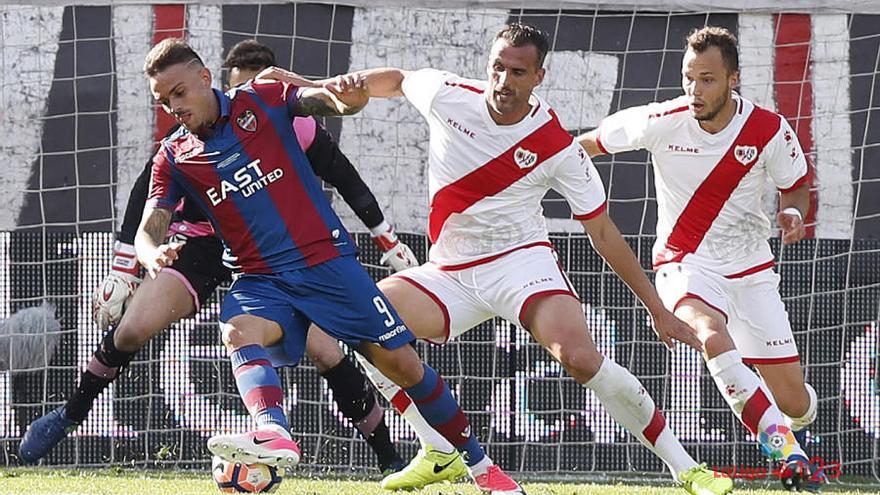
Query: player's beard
column 194, row 125
column 710, row 116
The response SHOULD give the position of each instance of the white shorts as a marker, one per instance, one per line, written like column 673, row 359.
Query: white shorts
column 502, row 286
column 756, row 317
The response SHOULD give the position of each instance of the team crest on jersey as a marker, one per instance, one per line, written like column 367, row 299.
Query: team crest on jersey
column 745, row 154
column 247, row 121
column 525, row 158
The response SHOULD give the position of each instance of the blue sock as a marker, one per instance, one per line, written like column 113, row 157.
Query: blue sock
column 440, row 409
column 259, row 385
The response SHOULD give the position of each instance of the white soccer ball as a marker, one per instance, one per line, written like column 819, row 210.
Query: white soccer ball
column 235, row 477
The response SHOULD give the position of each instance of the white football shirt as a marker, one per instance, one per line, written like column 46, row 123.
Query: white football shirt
column 710, row 186
column 485, row 180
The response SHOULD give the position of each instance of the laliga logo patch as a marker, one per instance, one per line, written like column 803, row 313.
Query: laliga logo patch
column 745, row 154
column 247, row 121
column 777, row 442
column 525, row 158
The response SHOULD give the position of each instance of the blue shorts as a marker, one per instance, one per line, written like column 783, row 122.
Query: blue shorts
column 337, row 295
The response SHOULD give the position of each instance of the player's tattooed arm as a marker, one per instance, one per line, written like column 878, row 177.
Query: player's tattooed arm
column 332, row 100
column 148, row 242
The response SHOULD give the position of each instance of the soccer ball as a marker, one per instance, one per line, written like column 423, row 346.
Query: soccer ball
column 235, row 477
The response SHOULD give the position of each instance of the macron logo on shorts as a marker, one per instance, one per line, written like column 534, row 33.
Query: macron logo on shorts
column 399, row 329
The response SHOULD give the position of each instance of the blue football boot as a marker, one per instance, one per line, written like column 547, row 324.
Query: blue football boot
column 796, row 473
column 44, row 434
column 818, row 476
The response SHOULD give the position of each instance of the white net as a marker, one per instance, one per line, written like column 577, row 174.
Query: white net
column 82, row 120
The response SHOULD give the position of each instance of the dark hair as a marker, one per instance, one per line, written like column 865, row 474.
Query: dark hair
column 168, row 52
column 518, row 34
column 249, row 55
column 701, row 39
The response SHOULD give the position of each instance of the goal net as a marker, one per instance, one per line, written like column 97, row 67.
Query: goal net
column 80, row 125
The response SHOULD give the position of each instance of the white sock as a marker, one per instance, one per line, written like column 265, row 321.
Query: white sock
column 480, row 467
column 276, row 428
column 809, row 416
column 746, row 394
column 428, row 437
column 627, row 401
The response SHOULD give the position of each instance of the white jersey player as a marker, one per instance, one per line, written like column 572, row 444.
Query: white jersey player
column 712, row 151
column 495, row 150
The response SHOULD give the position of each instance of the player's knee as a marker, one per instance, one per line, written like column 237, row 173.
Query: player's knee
column 581, row 362
column 324, row 356
column 401, row 365
column 235, row 338
column 131, row 337
column 794, row 402
column 713, row 334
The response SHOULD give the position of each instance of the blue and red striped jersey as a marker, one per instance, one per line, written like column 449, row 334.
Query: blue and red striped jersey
column 253, row 181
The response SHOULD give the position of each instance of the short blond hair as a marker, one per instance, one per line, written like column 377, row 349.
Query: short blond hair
column 168, row 52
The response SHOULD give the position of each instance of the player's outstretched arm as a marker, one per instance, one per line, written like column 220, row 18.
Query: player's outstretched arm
column 279, row 74
column 610, row 244
column 792, row 206
column 590, row 142
column 148, row 242
column 386, row 82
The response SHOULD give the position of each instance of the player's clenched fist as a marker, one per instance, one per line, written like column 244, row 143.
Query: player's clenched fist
column 791, row 222
column 350, row 89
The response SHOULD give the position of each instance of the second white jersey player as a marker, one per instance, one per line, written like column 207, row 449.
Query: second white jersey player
column 709, row 217
column 710, row 186
column 486, row 181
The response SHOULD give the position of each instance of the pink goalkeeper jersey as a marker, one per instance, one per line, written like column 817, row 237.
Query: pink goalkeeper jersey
column 710, row 186
column 486, row 181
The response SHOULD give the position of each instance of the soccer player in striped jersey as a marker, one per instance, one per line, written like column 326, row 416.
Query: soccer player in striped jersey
column 199, row 270
column 238, row 157
column 712, row 151
column 495, row 150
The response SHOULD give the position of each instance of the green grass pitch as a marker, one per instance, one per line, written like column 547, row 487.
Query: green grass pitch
column 39, row 481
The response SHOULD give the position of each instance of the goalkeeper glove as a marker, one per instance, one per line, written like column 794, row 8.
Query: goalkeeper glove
column 113, row 293
column 397, row 254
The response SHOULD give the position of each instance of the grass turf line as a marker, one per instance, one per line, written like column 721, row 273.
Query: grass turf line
column 39, row 481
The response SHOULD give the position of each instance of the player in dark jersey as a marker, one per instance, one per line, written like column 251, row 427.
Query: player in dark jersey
column 200, row 270
column 239, row 159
